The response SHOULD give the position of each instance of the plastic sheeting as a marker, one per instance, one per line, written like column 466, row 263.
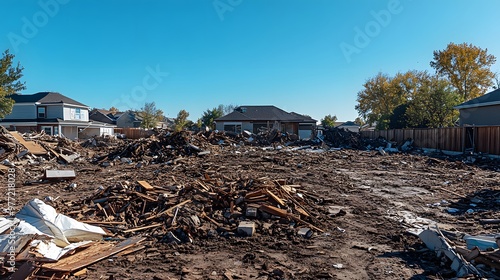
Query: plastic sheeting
column 50, row 233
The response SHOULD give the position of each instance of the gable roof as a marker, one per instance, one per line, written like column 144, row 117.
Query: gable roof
column 489, row 99
column 348, row 123
column 264, row 113
column 100, row 116
column 45, row 98
column 131, row 115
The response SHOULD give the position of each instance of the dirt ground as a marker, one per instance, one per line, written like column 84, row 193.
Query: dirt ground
column 362, row 197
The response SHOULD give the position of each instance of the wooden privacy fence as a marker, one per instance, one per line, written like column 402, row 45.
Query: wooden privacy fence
column 484, row 139
column 134, row 133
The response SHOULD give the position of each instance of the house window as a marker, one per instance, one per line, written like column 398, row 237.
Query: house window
column 305, row 127
column 257, row 127
column 47, row 129
column 233, row 128
column 41, row 112
column 78, row 114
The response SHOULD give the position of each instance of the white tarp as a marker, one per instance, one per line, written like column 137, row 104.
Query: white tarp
column 50, row 250
column 50, row 233
column 62, row 228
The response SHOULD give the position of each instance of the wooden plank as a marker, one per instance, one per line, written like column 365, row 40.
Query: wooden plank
column 274, row 211
column 104, row 223
column 24, row 271
column 60, row 174
column 80, row 272
column 4, row 167
column 145, row 185
column 168, row 210
column 146, row 197
column 142, row 228
column 93, row 254
column 32, row 147
column 276, row 198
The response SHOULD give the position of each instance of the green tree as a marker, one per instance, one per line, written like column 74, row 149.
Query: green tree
column 381, row 94
column 496, row 80
column 113, row 110
column 433, row 105
column 359, row 121
column 9, row 82
column 467, row 68
column 198, row 124
column 329, row 121
column 399, row 119
column 181, row 121
column 209, row 116
column 226, row 109
column 150, row 115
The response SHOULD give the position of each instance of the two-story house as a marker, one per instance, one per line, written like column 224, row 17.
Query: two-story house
column 55, row 114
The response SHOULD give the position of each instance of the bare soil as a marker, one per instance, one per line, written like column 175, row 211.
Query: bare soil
column 361, row 198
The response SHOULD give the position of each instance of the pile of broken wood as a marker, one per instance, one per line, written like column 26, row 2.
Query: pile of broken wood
column 38, row 147
column 206, row 208
column 343, row 138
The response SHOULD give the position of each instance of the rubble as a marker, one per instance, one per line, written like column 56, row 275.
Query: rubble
column 291, row 209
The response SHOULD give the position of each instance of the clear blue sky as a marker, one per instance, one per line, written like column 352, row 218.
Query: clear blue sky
column 305, row 56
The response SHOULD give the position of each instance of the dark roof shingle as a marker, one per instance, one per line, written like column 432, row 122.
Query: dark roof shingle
column 44, row 98
column 492, row 98
column 263, row 113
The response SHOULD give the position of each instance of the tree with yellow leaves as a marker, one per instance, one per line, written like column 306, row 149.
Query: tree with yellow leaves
column 467, row 67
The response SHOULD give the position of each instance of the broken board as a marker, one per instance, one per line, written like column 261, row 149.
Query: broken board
column 32, row 147
column 93, row 254
column 60, row 174
column 145, row 185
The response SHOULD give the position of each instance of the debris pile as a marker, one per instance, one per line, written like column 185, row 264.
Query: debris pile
column 159, row 148
column 50, row 244
column 466, row 255
column 207, row 208
column 343, row 138
column 134, row 212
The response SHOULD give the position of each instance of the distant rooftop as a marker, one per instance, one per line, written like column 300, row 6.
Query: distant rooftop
column 44, row 98
column 264, row 113
column 492, row 98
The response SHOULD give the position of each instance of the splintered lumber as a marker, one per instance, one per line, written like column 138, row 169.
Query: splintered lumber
column 276, row 198
column 300, row 209
column 205, row 188
column 24, row 271
column 274, row 211
column 284, row 214
column 145, row 185
column 93, row 254
column 60, row 174
column 3, row 168
column 168, row 210
column 80, row 272
column 253, row 194
column 204, row 215
column 32, row 147
column 489, row 221
column 452, row 192
column 146, row 197
column 142, row 228
column 104, row 223
column 491, row 259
